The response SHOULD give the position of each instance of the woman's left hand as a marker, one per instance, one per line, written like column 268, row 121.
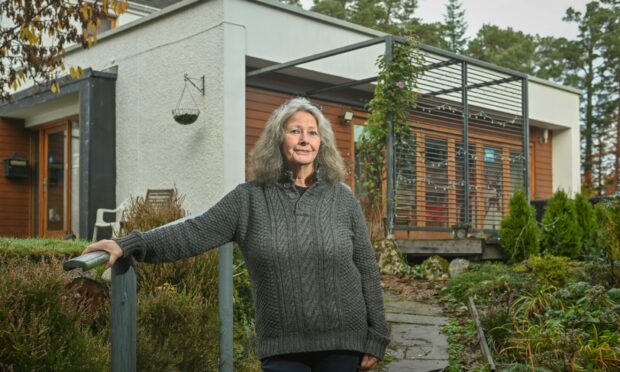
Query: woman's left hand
column 369, row 362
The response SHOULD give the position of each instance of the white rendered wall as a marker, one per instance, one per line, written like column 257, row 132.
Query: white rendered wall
column 152, row 151
column 560, row 110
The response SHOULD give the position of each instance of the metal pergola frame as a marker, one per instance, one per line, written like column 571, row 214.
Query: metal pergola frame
column 464, row 88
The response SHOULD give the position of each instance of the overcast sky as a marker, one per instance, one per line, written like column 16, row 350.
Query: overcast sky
column 543, row 17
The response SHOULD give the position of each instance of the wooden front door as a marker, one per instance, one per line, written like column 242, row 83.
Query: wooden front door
column 54, row 181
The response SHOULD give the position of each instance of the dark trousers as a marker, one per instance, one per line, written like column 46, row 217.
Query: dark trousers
column 321, row 361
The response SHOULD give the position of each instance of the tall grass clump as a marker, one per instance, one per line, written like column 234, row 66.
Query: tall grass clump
column 519, row 232
column 561, row 235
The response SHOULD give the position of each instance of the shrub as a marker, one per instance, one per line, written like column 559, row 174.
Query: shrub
column 587, row 223
column 41, row 329
column 435, row 268
column 177, row 330
column 552, row 270
column 144, row 216
column 481, row 280
column 244, row 351
column 518, row 232
column 561, row 236
column 608, row 216
column 198, row 273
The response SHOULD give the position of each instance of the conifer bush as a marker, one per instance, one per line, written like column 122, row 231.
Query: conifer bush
column 561, row 235
column 587, row 223
column 608, row 217
column 518, row 231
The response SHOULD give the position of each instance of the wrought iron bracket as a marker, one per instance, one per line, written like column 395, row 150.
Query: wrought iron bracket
column 200, row 80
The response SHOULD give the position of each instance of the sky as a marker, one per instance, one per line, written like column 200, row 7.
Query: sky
column 543, row 17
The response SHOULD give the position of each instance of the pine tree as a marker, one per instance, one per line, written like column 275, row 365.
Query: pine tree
column 332, row 8
column 456, row 26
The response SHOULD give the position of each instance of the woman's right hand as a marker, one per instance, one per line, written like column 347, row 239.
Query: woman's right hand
column 110, row 246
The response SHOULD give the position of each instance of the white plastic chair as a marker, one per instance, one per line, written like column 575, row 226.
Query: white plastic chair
column 115, row 224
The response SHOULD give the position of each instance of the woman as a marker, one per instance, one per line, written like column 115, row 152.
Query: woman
column 315, row 279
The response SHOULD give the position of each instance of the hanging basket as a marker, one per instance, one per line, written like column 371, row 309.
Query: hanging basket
column 185, row 116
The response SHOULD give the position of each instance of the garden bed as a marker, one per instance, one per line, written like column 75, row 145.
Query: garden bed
column 549, row 313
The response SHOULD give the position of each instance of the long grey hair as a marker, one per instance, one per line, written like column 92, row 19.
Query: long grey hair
column 267, row 160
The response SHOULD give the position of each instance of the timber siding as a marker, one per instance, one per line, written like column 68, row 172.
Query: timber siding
column 541, row 166
column 15, row 195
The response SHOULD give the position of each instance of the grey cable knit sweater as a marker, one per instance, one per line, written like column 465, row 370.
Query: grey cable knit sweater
column 315, row 278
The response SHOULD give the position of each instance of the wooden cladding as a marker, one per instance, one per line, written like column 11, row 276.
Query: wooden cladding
column 541, row 166
column 15, row 194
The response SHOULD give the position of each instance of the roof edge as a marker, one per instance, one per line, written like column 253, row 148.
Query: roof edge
column 554, row 85
column 68, row 84
column 320, row 17
column 139, row 22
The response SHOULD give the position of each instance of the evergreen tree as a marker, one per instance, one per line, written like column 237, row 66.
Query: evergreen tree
column 587, row 223
column 584, row 63
column 608, row 99
column 504, row 47
column 519, row 232
column 455, row 26
column 561, row 236
column 332, row 8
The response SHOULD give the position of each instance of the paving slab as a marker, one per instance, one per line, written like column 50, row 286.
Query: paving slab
column 416, row 366
column 412, row 307
column 416, row 319
column 417, row 343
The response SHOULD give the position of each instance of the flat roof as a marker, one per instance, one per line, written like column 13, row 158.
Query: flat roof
column 296, row 10
column 371, row 32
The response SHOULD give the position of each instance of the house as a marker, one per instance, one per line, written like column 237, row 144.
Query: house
column 110, row 134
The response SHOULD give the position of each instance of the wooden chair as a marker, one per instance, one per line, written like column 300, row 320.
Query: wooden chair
column 159, row 197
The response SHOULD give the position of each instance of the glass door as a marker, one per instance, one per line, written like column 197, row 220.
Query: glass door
column 54, row 182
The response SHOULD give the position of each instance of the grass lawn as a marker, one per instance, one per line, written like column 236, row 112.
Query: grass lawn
column 34, row 247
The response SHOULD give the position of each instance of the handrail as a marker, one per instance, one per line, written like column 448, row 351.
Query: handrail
column 87, row 261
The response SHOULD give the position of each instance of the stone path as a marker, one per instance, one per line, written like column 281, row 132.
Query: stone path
column 418, row 345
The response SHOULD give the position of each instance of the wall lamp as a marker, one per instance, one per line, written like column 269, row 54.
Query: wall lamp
column 347, row 116
column 545, row 136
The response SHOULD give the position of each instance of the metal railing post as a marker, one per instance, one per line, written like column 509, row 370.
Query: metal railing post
column 389, row 50
column 123, row 306
column 225, row 297
column 124, row 315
